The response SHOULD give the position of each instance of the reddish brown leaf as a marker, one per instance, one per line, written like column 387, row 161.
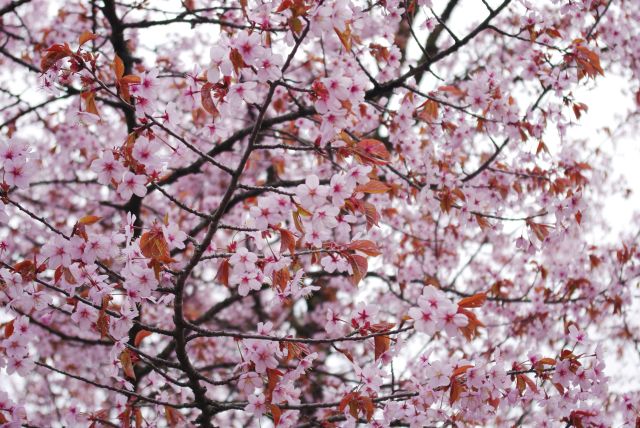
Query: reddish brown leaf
column 359, row 266
column 429, row 111
column 207, row 100
column 346, row 400
column 138, row 417
column 154, row 246
column 371, row 215
column 236, row 60
column 26, row 269
column 295, row 24
column 57, row 275
column 273, row 376
column 530, row 383
column 276, row 413
column 457, row 388
column 578, row 108
column 542, row 147
column 475, row 301
column 55, row 53
column 89, row 219
column 345, row 37
column 131, row 79
column 366, row 404
column 295, row 350
column 127, row 364
column 461, row 370
column 90, row 102
column 288, row 241
column 373, row 186
column 102, row 324
column 452, row 90
column 281, row 278
column 471, row 329
column 118, row 67
column 370, row 151
column 365, row 246
column 382, row 344
column 8, row 329
column 223, row 272
column 284, row 5
column 173, row 416
column 140, row 336
column 86, row 36
column 588, row 62
column 540, row 230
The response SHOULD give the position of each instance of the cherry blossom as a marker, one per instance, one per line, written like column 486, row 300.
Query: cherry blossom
column 174, row 236
column 132, row 184
column 57, row 252
column 18, row 172
column 311, row 193
column 296, row 213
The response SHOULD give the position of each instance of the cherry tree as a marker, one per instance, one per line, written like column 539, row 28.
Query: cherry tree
column 312, row 213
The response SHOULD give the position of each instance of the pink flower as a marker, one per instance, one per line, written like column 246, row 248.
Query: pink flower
column 316, row 236
column 311, row 193
column 340, row 189
column 18, row 172
column 371, row 377
column 266, row 213
column 132, row 184
column 21, row 366
column 13, row 149
column 84, row 316
column 220, row 63
column 438, row 374
column 249, row 46
column 562, row 373
column 261, row 354
column 325, row 217
column 57, row 252
column 242, row 91
column 174, row 236
column 452, row 320
column 424, row 319
column 364, row 315
column 149, row 84
column 257, row 405
column 148, row 153
column 107, row 168
column 246, row 282
column 576, row 335
column 269, row 67
column 243, row 260
column 249, row 382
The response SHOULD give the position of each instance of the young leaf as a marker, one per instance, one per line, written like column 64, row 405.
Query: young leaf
column 371, row 151
column 365, row 246
column 85, row 37
column 223, row 272
column 382, row 344
column 373, row 186
column 118, row 67
column 127, row 364
column 89, row 219
column 359, row 267
column 475, row 301
column 140, row 336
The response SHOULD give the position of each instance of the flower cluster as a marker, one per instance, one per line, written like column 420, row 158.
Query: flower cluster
column 17, row 163
column 435, row 312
